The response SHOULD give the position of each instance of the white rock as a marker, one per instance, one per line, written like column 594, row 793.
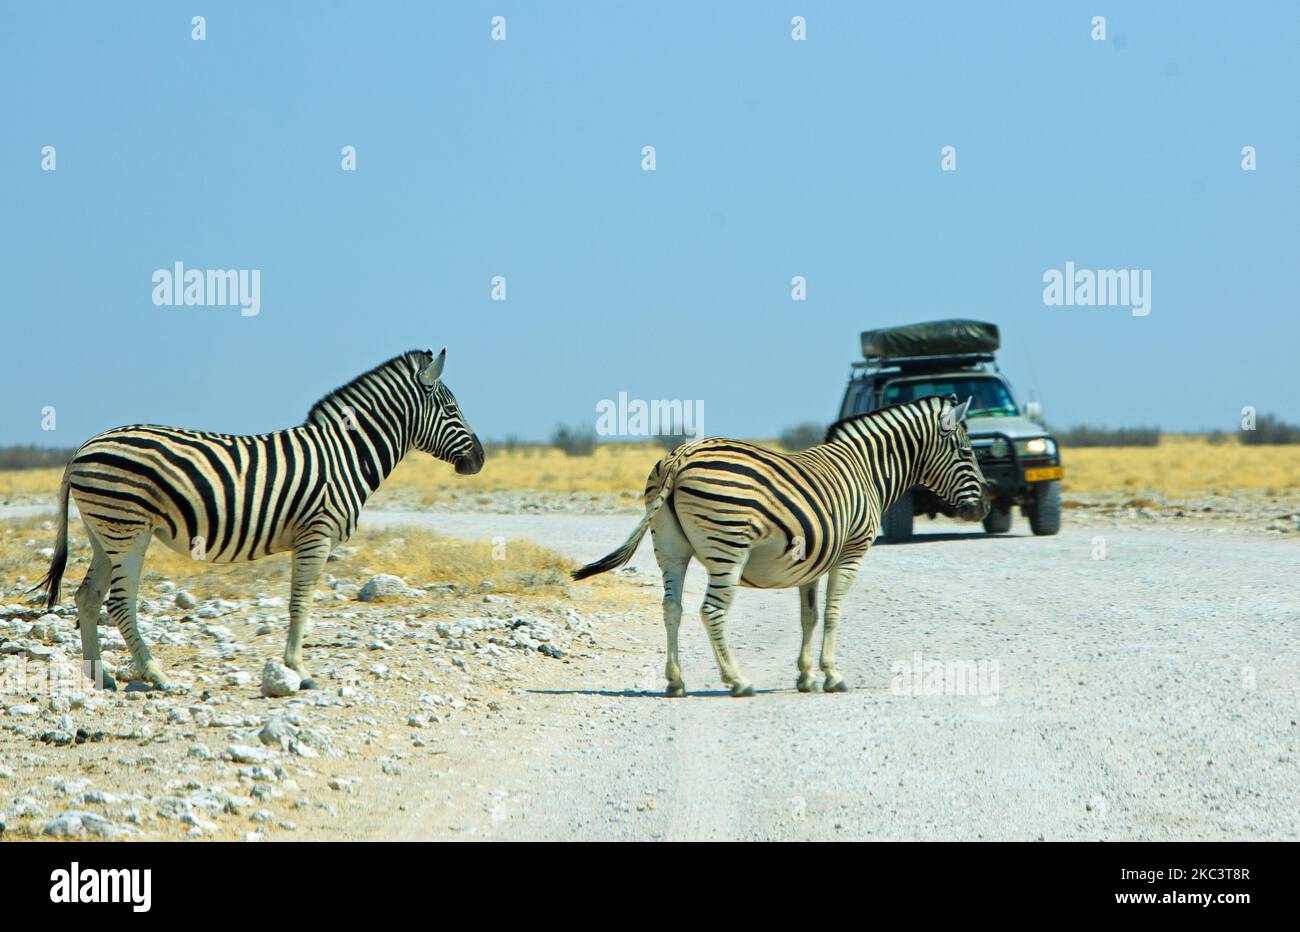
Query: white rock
column 246, row 754
column 73, row 824
column 279, row 680
column 185, row 600
column 384, row 585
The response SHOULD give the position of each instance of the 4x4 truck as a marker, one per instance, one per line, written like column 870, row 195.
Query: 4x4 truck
column 1017, row 455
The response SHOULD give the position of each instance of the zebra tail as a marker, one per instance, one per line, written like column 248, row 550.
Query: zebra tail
column 620, row 556
column 52, row 580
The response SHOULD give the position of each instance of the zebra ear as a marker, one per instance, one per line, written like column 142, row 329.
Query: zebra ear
column 431, row 373
column 954, row 414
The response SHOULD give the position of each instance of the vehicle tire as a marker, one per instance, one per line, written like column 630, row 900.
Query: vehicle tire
column 1045, row 512
column 896, row 523
column 998, row 520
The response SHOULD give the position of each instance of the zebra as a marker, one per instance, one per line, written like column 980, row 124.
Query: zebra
column 227, row 498
column 769, row 520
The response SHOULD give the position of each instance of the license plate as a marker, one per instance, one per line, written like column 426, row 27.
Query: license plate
column 1044, row 474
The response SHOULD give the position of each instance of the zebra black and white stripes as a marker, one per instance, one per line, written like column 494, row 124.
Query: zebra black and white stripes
column 755, row 517
column 225, row 498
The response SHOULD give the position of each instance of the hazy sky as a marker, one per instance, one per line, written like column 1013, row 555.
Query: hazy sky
column 523, row 158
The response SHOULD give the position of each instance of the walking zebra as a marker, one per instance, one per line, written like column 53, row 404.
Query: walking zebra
column 230, row 499
column 769, row 520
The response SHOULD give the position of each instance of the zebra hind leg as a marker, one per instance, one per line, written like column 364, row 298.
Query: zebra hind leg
column 124, row 588
column 838, row 581
column 90, row 598
column 808, row 622
column 717, row 600
column 308, row 560
column 673, row 552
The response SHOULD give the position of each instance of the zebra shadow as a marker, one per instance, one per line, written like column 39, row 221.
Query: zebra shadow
column 655, row 694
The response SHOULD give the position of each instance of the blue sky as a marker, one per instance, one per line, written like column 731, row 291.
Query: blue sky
column 522, row 158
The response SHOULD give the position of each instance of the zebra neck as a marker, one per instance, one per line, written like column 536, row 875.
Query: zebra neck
column 891, row 486
column 370, row 449
column 890, row 464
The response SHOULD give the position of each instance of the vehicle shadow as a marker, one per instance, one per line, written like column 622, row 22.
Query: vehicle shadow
column 940, row 536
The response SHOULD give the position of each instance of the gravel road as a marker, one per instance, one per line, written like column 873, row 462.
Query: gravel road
column 1120, row 681
column 1003, row 688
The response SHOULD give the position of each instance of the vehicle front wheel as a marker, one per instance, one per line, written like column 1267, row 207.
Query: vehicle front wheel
column 998, row 520
column 896, row 523
column 1045, row 512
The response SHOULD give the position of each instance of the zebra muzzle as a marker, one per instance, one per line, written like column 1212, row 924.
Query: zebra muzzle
column 471, row 462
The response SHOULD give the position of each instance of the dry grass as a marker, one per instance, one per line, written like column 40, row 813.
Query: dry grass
column 418, row 556
column 29, row 483
column 620, row 469
column 1183, row 465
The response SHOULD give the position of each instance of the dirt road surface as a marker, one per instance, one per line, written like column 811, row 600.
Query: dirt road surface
column 1103, row 684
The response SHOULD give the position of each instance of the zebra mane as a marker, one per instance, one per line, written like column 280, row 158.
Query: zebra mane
column 867, row 415
column 409, row 362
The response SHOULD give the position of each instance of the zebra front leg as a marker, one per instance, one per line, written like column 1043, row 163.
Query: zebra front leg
column 121, row 607
column 808, row 622
column 838, row 581
column 308, row 559
column 717, row 601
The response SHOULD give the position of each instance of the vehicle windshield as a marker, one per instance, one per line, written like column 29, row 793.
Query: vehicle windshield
column 989, row 397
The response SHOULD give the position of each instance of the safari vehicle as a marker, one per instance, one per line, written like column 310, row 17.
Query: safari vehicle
column 1017, row 455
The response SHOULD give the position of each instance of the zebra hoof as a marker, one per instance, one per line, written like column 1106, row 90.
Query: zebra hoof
column 308, row 683
column 153, row 675
column 835, row 684
column 675, row 690
column 806, row 683
column 742, row 689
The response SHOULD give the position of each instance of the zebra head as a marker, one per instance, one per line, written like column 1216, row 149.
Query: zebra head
column 953, row 473
column 440, row 428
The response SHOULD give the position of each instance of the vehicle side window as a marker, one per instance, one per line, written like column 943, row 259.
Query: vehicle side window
column 856, row 399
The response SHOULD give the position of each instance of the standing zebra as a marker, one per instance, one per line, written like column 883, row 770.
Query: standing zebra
column 230, row 499
column 769, row 520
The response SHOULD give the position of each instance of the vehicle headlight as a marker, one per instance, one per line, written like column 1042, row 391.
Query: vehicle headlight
column 1038, row 446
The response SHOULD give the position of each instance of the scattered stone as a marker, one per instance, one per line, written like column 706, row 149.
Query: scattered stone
column 277, row 733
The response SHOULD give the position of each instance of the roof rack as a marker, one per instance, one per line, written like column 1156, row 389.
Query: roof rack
column 912, row 363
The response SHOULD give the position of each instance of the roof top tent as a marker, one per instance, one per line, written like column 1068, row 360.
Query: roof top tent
column 937, row 343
